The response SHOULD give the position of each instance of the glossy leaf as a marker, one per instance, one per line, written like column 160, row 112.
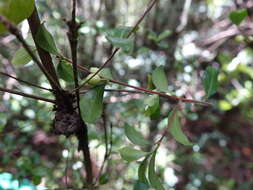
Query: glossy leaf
column 91, row 104
column 15, row 10
column 130, row 154
column 152, row 108
column 142, row 171
column 135, row 136
column 238, row 16
column 159, row 79
column 153, row 178
column 210, row 81
column 175, row 128
column 140, row 186
column 65, row 71
column 22, row 57
column 45, row 40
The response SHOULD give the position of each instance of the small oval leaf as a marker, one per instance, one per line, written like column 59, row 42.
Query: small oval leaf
column 45, row 40
column 22, row 57
column 130, row 154
column 175, row 129
column 153, row 178
column 159, row 79
column 210, row 81
column 65, row 71
column 135, row 136
column 91, row 104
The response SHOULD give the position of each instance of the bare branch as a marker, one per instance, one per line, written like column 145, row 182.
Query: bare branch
column 26, row 95
column 26, row 82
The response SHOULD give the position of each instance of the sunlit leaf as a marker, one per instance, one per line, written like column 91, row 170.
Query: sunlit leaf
column 15, row 10
column 175, row 128
column 91, row 104
column 135, row 136
column 142, row 171
column 45, row 40
column 153, row 178
column 65, row 71
column 130, row 154
column 238, row 16
column 140, row 186
column 210, row 81
column 159, row 79
column 22, row 57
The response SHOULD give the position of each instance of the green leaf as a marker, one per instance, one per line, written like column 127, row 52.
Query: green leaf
column 91, row 104
column 45, row 40
column 15, row 10
column 65, row 71
column 119, row 32
column 135, row 136
column 151, row 85
column 153, row 178
column 164, row 35
column 152, row 108
column 22, row 57
column 142, row 171
column 140, row 186
column 130, row 154
column 210, row 81
column 175, row 128
column 123, row 43
column 238, row 16
column 104, row 178
column 159, row 79
column 106, row 72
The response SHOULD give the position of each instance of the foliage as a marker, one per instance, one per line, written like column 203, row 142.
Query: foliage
column 181, row 52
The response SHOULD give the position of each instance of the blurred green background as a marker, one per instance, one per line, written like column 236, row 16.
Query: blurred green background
column 185, row 37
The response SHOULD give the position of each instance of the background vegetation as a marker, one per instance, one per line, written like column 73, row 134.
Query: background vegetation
column 183, row 36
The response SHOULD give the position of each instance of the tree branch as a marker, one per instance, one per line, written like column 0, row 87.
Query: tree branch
column 82, row 134
column 45, row 57
column 14, row 30
column 26, row 95
column 26, row 82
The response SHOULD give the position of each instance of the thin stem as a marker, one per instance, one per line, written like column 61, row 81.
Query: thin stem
column 26, row 95
column 153, row 2
column 14, row 30
column 26, row 82
column 82, row 135
column 173, row 99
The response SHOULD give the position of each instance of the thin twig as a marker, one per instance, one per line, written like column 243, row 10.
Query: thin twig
column 15, row 31
column 26, row 82
column 153, row 2
column 173, row 99
column 26, row 95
